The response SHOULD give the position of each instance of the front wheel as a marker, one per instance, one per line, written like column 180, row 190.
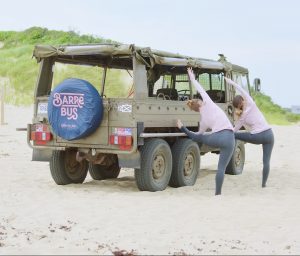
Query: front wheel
column 236, row 164
column 65, row 169
column 156, row 166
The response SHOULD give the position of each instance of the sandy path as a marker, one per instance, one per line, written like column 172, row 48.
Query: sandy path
column 101, row 217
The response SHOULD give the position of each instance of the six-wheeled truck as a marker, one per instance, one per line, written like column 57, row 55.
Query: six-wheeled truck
column 101, row 107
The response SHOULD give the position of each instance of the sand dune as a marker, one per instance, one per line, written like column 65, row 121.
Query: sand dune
column 106, row 217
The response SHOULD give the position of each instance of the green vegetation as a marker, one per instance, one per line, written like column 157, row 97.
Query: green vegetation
column 273, row 112
column 37, row 35
column 17, row 64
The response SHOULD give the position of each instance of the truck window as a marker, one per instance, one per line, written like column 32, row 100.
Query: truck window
column 172, row 87
column 204, row 81
column 163, row 82
column 182, row 86
column 163, row 88
column 241, row 79
column 214, row 86
column 217, row 82
column 182, row 83
column 118, row 82
column 89, row 73
column 212, row 83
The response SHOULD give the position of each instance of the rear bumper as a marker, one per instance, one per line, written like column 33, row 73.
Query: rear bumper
column 53, row 145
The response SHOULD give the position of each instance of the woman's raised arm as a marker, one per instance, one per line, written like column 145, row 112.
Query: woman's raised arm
column 244, row 93
column 198, row 86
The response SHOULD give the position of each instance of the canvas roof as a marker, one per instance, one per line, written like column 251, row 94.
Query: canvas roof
column 147, row 55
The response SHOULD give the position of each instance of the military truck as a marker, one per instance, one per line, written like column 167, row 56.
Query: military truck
column 127, row 116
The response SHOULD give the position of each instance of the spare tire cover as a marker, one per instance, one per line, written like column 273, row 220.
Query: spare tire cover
column 74, row 109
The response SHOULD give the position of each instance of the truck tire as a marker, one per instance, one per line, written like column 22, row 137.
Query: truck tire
column 237, row 161
column 65, row 169
column 186, row 163
column 103, row 172
column 75, row 109
column 156, row 166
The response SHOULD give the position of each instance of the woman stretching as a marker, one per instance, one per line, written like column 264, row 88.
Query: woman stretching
column 252, row 119
column 221, row 134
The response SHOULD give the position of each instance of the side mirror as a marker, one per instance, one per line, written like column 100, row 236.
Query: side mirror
column 257, row 86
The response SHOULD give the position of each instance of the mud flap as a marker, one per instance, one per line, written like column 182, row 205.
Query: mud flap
column 130, row 161
column 42, row 155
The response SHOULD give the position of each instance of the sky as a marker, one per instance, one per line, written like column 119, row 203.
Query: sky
column 263, row 36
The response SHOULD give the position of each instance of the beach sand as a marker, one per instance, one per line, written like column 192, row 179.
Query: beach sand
column 113, row 216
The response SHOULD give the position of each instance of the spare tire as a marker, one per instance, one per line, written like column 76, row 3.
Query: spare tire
column 75, row 109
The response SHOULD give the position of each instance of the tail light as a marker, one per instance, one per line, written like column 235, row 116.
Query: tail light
column 121, row 137
column 40, row 134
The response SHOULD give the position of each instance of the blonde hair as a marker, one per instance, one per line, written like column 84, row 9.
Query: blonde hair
column 193, row 104
column 237, row 114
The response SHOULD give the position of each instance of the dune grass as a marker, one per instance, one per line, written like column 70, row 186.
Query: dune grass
column 37, row 35
column 273, row 112
column 17, row 64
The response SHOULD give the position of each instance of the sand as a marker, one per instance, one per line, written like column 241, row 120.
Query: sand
column 106, row 217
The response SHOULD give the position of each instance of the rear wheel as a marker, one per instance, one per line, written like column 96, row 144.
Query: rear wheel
column 156, row 166
column 186, row 163
column 65, row 169
column 236, row 164
column 103, row 172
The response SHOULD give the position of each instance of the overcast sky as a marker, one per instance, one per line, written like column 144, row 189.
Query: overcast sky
column 263, row 36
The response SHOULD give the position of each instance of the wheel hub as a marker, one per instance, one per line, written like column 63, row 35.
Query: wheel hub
column 188, row 165
column 158, row 167
column 238, row 157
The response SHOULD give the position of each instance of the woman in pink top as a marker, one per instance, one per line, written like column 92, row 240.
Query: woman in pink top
column 221, row 130
column 250, row 117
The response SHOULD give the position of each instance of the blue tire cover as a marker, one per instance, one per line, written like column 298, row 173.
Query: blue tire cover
column 75, row 109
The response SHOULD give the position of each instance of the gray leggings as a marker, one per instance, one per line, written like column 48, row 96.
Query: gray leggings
column 225, row 141
column 266, row 138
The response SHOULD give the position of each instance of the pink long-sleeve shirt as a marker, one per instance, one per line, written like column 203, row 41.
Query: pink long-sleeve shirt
column 211, row 115
column 252, row 119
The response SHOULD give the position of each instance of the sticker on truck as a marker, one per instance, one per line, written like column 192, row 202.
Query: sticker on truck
column 125, row 108
column 42, row 108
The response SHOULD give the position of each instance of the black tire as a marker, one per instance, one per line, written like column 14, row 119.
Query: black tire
column 103, row 172
column 186, row 163
column 65, row 169
column 156, row 166
column 237, row 161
